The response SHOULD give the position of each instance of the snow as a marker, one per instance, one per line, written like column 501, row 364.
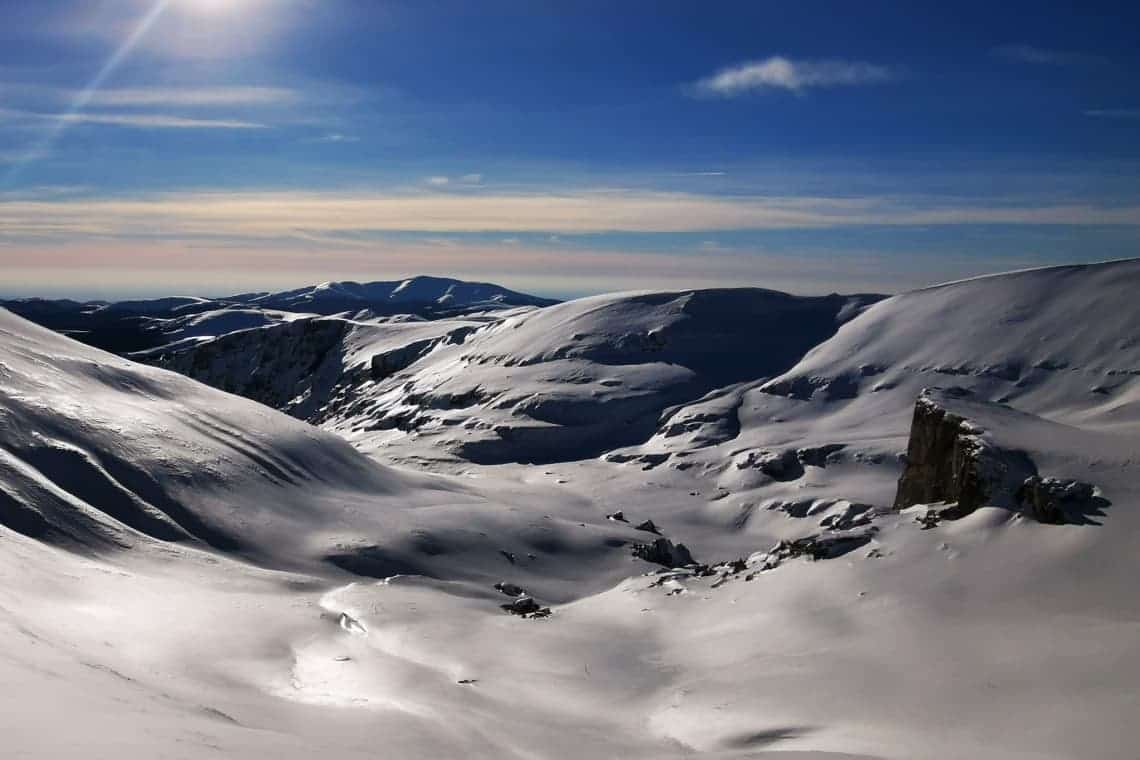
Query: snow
column 573, row 380
column 216, row 322
column 195, row 595
column 332, row 297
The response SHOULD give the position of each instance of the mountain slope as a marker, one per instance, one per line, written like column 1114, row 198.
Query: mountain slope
column 146, row 324
column 412, row 295
column 100, row 451
column 568, row 381
column 101, row 454
column 824, row 624
column 1056, row 343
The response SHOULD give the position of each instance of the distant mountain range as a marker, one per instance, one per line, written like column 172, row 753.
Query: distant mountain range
column 138, row 325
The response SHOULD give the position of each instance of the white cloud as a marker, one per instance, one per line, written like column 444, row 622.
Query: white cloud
column 1022, row 53
column 279, row 214
column 443, row 180
column 157, row 121
column 779, row 73
column 193, row 96
column 132, row 120
column 336, row 137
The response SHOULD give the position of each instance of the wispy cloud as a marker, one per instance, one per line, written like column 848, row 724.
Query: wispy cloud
column 194, row 96
column 445, row 181
column 335, row 137
column 22, row 156
column 1022, row 53
column 779, row 73
column 131, row 120
column 1113, row 113
column 272, row 215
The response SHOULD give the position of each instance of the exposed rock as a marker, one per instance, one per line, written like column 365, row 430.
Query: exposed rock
column 664, row 552
column 648, row 526
column 509, row 589
column 813, row 547
column 526, row 606
column 778, row 465
column 618, row 516
column 949, row 461
column 854, row 515
column 351, row 624
column 820, row 456
column 1050, row 500
column 806, row 388
column 280, row 365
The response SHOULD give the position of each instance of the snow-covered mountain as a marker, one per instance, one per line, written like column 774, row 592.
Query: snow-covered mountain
column 99, row 452
column 145, row 324
column 410, row 295
column 1057, row 343
column 908, row 530
column 554, row 384
column 102, row 454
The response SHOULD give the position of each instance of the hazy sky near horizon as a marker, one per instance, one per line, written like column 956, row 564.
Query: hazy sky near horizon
column 213, row 146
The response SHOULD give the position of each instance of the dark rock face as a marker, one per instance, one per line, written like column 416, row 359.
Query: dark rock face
column 664, row 552
column 284, row 366
column 948, row 461
column 389, row 363
column 526, row 607
column 1052, row 500
column 820, row 456
column 806, row 388
column 816, row 547
column 778, row 465
column 648, row 526
column 509, row 589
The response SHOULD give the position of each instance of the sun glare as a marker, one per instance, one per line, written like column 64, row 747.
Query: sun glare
column 212, row 7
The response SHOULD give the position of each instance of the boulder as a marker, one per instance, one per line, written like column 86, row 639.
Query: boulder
column 509, row 589
column 778, row 465
column 664, row 552
column 526, row 606
column 1049, row 500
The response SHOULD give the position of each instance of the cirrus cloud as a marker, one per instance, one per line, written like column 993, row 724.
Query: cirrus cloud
column 280, row 214
column 780, row 73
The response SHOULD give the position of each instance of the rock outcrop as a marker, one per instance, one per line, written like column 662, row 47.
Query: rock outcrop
column 949, row 460
column 1056, row 501
column 284, row 366
column 664, row 552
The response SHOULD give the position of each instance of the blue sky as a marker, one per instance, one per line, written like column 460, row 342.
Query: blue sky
column 562, row 147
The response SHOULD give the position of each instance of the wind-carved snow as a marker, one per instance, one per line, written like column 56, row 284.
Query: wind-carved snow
column 815, row 618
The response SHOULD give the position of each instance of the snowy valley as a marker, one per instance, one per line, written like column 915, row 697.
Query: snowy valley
column 443, row 519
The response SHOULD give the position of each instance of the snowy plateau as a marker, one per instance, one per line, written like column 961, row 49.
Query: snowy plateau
column 437, row 519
